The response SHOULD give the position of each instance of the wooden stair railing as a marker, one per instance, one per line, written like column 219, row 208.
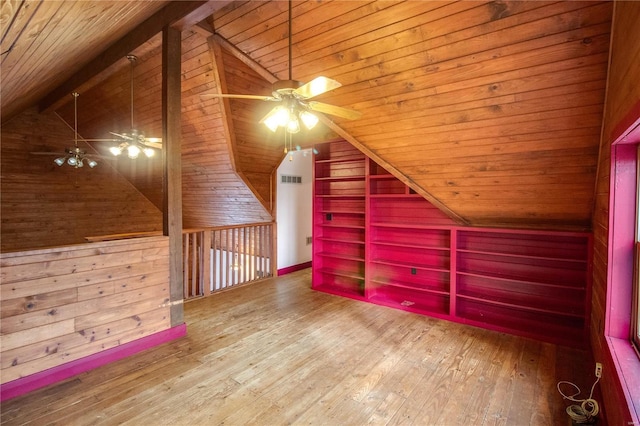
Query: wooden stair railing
column 219, row 258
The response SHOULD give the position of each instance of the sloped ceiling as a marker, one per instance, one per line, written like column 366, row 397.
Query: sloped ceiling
column 491, row 110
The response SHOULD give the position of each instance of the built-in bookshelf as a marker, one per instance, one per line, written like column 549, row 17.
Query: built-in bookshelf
column 339, row 220
column 376, row 240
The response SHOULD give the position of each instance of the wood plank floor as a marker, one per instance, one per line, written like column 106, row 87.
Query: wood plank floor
column 277, row 352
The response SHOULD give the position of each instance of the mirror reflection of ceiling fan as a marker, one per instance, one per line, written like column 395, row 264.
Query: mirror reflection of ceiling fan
column 133, row 142
column 295, row 100
column 73, row 156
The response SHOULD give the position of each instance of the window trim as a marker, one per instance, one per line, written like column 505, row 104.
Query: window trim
column 634, row 334
column 621, row 259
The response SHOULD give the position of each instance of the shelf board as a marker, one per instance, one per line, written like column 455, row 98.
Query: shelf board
column 387, row 176
column 396, row 196
column 414, row 246
column 340, row 256
column 411, row 226
column 341, row 178
column 412, row 287
column 524, row 256
column 332, row 225
column 340, row 273
column 509, row 303
column 339, row 240
column 344, row 196
column 357, row 159
column 409, row 265
column 354, row 212
column 412, row 307
column 499, row 277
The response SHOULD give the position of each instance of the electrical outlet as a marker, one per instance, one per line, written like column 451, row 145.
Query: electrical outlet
column 598, row 369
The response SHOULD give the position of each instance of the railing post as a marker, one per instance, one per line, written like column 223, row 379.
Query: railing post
column 206, row 263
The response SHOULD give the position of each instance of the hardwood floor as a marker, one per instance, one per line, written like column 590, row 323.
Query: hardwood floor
column 278, row 352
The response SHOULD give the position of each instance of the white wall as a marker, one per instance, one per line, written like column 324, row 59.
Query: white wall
column 294, row 210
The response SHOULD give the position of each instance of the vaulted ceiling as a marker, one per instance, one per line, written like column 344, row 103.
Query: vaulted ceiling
column 491, row 110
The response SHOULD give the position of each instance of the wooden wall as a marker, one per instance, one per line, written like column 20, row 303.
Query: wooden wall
column 63, row 304
column 45, row 205
column 622, row 96
column 213, row 193
column 493, row 109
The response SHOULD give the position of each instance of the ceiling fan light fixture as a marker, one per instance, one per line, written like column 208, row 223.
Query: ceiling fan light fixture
column 133, row 151
column 92, row 163
column 72, row 161
column 308, row 119
column 59, row 161
column 148, row 152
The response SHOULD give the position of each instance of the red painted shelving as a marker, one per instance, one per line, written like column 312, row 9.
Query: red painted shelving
column 376, row 240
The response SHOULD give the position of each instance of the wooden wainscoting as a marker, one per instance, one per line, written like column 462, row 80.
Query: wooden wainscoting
column 64, row 304
column 277, row 352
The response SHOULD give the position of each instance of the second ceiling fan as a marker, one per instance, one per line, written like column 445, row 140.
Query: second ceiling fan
column 295, row 100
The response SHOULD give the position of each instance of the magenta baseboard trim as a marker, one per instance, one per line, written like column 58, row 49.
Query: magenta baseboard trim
column 294, row 268
column 47, row 377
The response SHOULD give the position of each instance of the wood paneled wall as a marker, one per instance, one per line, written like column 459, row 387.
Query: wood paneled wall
column 623, row 95
column 213, row 193
column 63, row 304
column 44, row 205
column 492, row 108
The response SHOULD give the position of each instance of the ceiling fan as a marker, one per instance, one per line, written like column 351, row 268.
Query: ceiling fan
column 295, row 100
column 134, row 142
column 73, row 156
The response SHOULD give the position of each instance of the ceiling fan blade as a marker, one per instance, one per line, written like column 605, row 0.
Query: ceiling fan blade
column 315, row 87
column 226, row 95
column 156, row 145
column 125, row 137
column 334, row 110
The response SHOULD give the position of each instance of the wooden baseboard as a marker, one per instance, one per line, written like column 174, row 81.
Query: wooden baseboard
column 47, row 377
column 294, row 268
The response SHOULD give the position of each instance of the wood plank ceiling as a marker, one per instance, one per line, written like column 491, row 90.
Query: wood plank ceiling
column 491, row 110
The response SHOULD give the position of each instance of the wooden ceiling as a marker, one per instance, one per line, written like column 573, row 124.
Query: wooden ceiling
column 491, row 110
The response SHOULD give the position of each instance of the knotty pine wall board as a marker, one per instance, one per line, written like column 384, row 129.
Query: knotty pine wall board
column 62, row 304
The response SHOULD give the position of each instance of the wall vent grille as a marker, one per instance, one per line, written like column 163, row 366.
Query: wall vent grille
column 290, row 179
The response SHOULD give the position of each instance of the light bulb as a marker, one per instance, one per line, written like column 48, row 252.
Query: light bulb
column 309, row 120
column 72, row 161
column 293, row 126
column 91, row 163
column 279, row 116
column 115, row 150
column 59, row 161
column 148, row 152
column 133, row 151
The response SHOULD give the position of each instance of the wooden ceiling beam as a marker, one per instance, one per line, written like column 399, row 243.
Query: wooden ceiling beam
column 248, row 61
column 176, row 14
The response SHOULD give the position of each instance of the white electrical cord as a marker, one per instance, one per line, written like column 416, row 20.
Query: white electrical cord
column 588, row 408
